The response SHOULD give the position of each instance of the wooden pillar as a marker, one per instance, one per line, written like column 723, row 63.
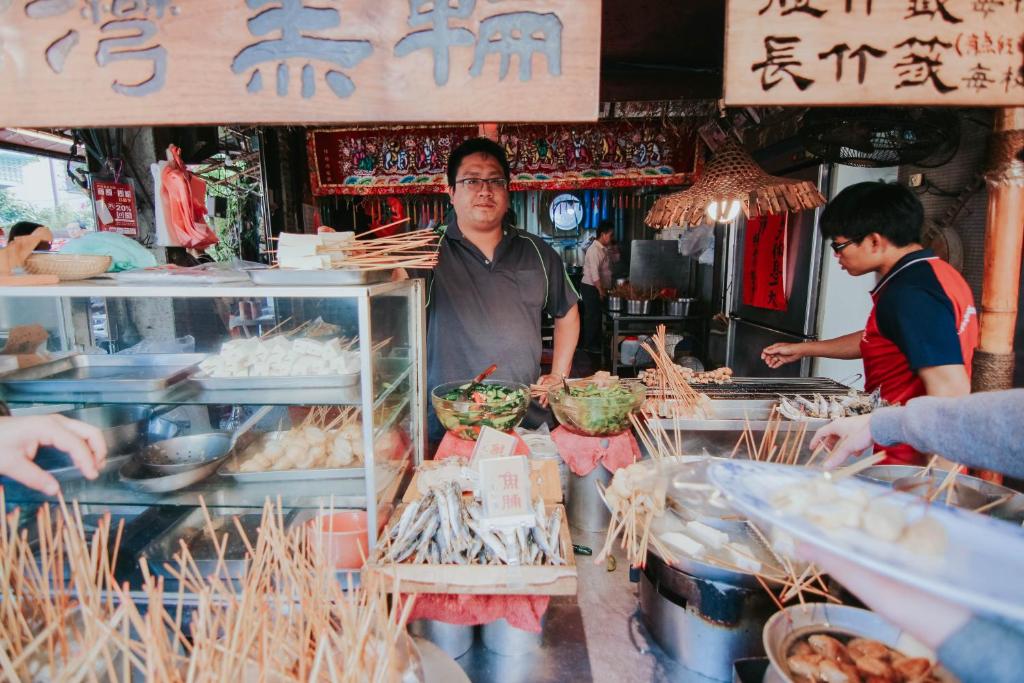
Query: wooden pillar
column 1004, row 241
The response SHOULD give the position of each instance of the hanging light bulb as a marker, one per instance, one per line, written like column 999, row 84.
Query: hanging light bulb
column 723, row 210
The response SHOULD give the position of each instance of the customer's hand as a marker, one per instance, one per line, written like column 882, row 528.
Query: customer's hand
column 777, row 355
column 926, row 616
column 21, row 437
column 847, row 436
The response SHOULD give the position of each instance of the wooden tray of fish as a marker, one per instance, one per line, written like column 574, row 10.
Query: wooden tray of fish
column 475, row 579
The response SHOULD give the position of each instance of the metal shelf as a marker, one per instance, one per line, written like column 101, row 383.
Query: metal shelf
column 216, row 491
column 120, row 290
column 189, row 393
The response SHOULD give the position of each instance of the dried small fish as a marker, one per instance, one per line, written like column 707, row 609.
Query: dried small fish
column 556, row 527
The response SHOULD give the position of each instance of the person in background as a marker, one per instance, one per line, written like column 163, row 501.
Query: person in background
column 984, row 430
column 23, row 228
column 923, row 328
column 21, row 438
column 491, row 285
column 597, row 279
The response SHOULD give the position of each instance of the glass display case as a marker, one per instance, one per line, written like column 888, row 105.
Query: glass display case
column 332, row 377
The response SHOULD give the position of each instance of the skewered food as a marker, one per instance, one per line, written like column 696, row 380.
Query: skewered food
column 833, row 508
column 821, row 408
column 825, row 658
column 314, row 444
column 722, row 375
column 280, row 356
column 443, row 527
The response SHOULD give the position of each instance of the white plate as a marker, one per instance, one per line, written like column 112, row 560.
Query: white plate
column 980, row 569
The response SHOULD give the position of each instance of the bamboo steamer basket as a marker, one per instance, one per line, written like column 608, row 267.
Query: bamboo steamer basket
column 68, row 266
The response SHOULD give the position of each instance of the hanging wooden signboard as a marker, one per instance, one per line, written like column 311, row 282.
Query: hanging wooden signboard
column 874, row 52
column 138, row 62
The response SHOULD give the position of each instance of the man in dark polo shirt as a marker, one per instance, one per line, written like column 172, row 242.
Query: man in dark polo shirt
column 492, row 283
column 922, row 331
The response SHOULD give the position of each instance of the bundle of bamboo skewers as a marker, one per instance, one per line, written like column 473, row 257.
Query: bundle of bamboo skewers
column 414, row 249
column 637, row 498
column 64, row 618
column 669, row 392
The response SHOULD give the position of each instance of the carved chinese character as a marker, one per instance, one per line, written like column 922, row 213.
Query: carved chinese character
column 519, row 34
column 130, row 47
column 295, row 22
column 790, row 6
column 441, row 37
column 779, row 59
column 987, row 7
column 867, row 6
column 921, row 64
column 1014, row 78
column 861, row 54
column 929, row 8
column 978, row 79
column 129, row 37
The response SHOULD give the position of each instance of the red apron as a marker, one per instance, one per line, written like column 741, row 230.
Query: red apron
column 887, row 368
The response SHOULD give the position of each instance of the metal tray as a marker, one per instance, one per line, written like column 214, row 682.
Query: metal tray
column 135, row 476
column 93, row 373
column 305, row 382
column 314, row 278
column 191, row 530
column 281, row 475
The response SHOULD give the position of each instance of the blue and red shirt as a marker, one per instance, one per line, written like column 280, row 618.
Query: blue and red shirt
column 924, row 316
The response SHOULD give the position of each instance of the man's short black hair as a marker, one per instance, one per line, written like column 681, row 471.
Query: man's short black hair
column 605, row 226
column 890, row 209
column 473, row 146
column 22, row 228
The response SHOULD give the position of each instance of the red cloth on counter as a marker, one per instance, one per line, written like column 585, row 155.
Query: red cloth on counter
column 521, row 611
column 452, row 446
column 184, row 200
column 583, row 453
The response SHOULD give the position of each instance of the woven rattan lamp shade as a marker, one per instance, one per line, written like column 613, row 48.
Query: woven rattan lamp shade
column 732, row 174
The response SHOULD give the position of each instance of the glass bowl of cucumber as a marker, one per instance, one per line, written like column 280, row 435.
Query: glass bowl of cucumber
column 492, row 403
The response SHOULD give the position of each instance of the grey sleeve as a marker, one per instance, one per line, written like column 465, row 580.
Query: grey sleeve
column 985, row 650
column 984, row 430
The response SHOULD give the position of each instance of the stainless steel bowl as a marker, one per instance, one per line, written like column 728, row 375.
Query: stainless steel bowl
column 614, row 303
column 968, row 492
column 184, row 453
column 788, row 625
column 638, row 307
column 677, row 308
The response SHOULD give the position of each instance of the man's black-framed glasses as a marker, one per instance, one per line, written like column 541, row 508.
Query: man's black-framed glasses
column 839, row 246
column 475, row 184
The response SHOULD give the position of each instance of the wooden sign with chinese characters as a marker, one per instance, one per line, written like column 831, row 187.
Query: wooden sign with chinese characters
column 875, row 52
column 139, row 62
column 492, row 444
column 505, row 490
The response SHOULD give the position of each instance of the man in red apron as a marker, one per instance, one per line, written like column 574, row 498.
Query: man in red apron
column 922, row 331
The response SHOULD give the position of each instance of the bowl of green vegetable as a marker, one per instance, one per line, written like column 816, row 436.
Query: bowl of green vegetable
column 596, row 408
column 492, row 403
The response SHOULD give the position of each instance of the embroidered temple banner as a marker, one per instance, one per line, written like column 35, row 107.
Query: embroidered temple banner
column 406, row 160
